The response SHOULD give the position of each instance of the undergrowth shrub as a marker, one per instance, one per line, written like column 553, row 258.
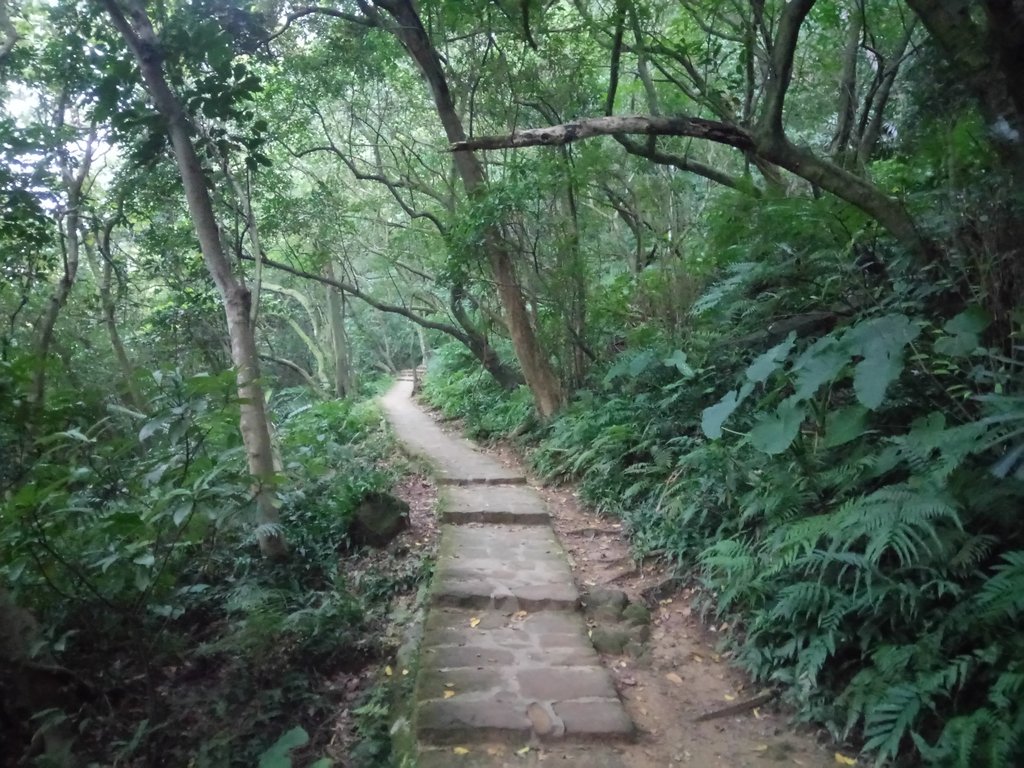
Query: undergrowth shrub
column 457, row 385
column 134, row 548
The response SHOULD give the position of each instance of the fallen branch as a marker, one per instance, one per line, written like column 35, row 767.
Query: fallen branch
column 738, row 709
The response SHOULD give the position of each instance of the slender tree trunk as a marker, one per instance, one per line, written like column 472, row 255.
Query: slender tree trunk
column 237, row 300
column 545, row 386
column 343, row 383
column 847, row 90
column 103, row 275
column 421, row 336
column 70, row 244
column 874, row 111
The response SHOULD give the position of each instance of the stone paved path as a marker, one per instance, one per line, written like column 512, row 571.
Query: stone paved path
column 505, row 655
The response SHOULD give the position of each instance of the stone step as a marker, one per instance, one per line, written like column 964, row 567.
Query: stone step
column 499, row 755
column 513, row 676
column 503, row 504
column 503, row 566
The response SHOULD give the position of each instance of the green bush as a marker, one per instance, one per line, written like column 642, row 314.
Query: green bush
column 457, row 385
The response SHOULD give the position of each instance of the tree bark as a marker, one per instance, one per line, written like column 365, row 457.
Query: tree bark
column 847, row 90
column 70, row 245
column 545, row 386
column 134, row 25
column 343, row 383
column 103, row 274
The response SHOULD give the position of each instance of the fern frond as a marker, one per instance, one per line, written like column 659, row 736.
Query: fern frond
column 1002, row 596
column 889, row 721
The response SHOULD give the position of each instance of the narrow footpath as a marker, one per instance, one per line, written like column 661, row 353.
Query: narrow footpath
column 507, row 673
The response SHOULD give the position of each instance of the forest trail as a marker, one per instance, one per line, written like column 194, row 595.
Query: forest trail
column 509, row 675
column 505, row 661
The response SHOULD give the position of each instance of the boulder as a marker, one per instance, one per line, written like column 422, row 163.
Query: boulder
column 378, row 519
column 636, row 614
column 609, row 640
column 606, row 603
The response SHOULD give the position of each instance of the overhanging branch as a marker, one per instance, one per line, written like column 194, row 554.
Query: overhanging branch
column 350, row 289
column 566, row 133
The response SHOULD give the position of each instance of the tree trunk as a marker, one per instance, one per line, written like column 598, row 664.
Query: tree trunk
column 236, row 298
column 70, row 244
column 989, row 61
column 102, row 275
column 344, row 386
column 874, row 110
column 545, row 386
column 847, row 90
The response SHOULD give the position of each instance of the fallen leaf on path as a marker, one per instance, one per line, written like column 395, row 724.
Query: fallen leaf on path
column 757, row 713
column 460, row 750
column 844, row 760
column 519, row 615
column 388, row 671
column 761, row 748
column 524, row 751
column 449, row 694
column 698, row 659
column 474, row 622
column 672, row 677
column 449, row 685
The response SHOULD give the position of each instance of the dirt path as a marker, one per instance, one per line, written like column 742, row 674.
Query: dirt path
column 509, row 674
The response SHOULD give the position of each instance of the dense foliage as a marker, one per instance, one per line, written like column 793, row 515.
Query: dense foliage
column 133, row 543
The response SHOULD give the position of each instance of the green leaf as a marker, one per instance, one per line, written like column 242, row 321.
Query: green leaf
column 150, row 428
column 775, row 433
column 181, row 513
column 714, row 416
column 678, row 359
column 961, row 345
column 278, row 754
column 844, row 425
column 972, row 320
column 822, row 362
column 765, row 365
column 881, row 343
column 146, row 558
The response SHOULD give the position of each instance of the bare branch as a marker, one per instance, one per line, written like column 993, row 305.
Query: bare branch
column 350, row 289
column 557, row 135
column 649, row 150
column 311, row 10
